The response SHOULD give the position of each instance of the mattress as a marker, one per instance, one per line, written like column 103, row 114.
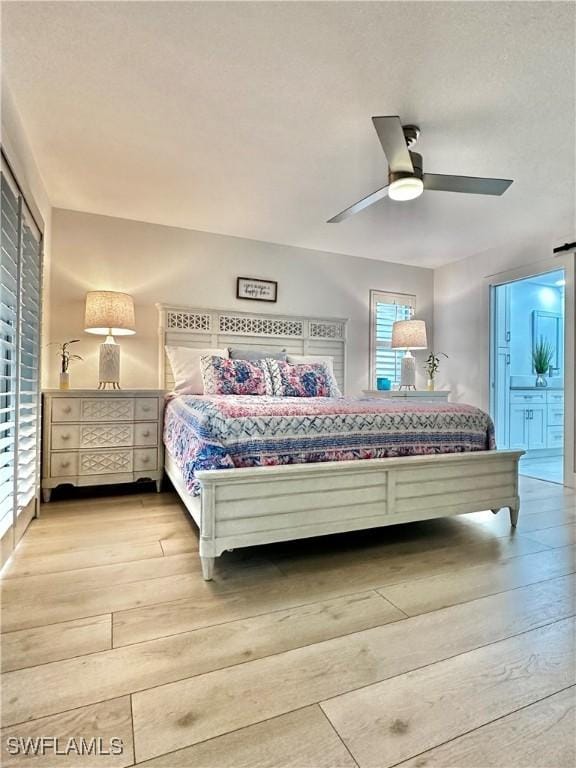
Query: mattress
column 227, row 431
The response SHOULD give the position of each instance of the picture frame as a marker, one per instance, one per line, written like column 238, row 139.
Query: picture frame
column 256, row 289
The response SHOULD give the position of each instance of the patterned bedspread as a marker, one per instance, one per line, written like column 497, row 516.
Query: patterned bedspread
column 221, row 432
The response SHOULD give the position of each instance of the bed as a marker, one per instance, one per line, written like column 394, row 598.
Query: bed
column 257, row 470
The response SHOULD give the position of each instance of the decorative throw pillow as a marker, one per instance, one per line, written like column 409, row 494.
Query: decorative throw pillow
column 185, row 364
column 235, row 377
column 298, row 359
column 236, row 353
column 303, row 380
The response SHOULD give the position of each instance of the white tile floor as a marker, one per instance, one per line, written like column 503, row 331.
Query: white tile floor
column 544, row 468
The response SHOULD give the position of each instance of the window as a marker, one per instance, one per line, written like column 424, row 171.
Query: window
column 385, row 309
column 20, row 310
column 9, row 213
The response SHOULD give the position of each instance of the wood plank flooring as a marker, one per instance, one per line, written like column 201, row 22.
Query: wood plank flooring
column 445, row 643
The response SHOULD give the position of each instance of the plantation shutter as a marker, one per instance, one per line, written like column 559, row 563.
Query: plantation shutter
column 9, row 263
column 386, row 308
column 29, row 384
column 20, row 313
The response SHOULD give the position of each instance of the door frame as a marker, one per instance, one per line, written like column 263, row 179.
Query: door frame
column 567, row 263
column 493, row 348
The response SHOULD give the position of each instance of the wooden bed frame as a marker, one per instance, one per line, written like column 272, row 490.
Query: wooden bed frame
column 261, row 505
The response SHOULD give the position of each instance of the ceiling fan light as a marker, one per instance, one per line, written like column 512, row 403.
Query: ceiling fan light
column 407, row 188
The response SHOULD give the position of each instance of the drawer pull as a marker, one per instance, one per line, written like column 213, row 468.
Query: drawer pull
column 145, row 408
column 145, row 459
column 67, row 409
column 65, row 437
column 64, row 464
column 146, row 433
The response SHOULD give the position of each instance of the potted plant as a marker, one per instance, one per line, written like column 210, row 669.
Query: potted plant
column 66, row 358
column 431, row 367
column 542, row 356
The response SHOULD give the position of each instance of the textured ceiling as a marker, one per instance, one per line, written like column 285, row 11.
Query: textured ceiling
column 253, row 119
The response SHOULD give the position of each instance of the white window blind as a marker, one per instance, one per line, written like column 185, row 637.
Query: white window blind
column 385, row 309
column 29, row 354
column 9, row 246
column 20, row 313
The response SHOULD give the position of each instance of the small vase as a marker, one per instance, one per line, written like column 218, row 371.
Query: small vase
column 64, row 380
column 430, row 385
column 541, row 380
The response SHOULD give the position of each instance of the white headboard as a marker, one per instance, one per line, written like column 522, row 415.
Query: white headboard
column 298, row 335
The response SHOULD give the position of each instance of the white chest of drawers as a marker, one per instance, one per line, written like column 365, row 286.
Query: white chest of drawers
column 93, row 437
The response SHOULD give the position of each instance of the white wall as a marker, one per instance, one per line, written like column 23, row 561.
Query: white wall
column 167, row 264
column 461, row 318
column 462, row 322
column 17, row 149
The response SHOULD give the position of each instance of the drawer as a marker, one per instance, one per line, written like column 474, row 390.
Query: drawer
column 145, row 459
column 108, row 462
column 555, row 437
column 63, row 464
column 555, row 398
column 146, row 408
column 64, row 436
column 527, row 397
column 146, row 434
column 106, row 435
column 65, row 409
column 555, row 416
column 107, row 409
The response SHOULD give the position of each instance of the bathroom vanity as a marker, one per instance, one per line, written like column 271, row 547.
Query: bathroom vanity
column 536, row 419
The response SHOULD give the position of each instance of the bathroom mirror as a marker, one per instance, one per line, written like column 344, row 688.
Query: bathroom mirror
column 548, row 326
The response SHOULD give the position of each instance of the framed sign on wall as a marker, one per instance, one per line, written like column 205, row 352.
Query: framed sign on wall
column 256, row 290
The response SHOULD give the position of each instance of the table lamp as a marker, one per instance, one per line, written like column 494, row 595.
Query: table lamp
column 109, row 313
column 408, row 334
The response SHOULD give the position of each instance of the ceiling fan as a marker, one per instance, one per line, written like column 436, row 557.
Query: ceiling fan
column 406, row 180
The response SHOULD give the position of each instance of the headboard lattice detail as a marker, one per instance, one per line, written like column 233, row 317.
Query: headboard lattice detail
column 189, row 321
column 260, row 326
column 214, row 328
column 327, row 330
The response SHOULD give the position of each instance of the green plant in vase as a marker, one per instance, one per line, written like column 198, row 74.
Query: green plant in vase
column 542, row 356
column 66, row 357
column 431, row 366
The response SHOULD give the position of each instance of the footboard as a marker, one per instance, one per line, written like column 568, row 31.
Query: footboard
column 245, row 507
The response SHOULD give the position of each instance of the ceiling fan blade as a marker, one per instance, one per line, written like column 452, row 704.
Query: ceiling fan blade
column 360, row 205
column 472, row 185
column 391, row 135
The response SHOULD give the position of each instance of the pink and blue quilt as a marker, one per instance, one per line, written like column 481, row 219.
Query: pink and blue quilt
column 223, row 432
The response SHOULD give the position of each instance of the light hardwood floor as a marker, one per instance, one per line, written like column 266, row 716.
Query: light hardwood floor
column 448, row 643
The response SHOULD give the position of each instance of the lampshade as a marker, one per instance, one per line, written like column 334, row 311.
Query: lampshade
column 109, row 312
column 409, row 334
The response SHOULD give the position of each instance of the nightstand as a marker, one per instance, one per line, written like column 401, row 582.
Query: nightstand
column 101, row 437
column 424, row 395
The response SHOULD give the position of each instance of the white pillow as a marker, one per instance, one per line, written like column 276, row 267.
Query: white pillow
column 185, row 364
column 329, row 361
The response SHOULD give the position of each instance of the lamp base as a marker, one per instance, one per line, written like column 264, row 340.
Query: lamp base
column 408, row 372
column 109, row 370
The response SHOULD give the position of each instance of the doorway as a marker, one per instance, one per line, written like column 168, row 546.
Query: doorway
column 527, row 379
